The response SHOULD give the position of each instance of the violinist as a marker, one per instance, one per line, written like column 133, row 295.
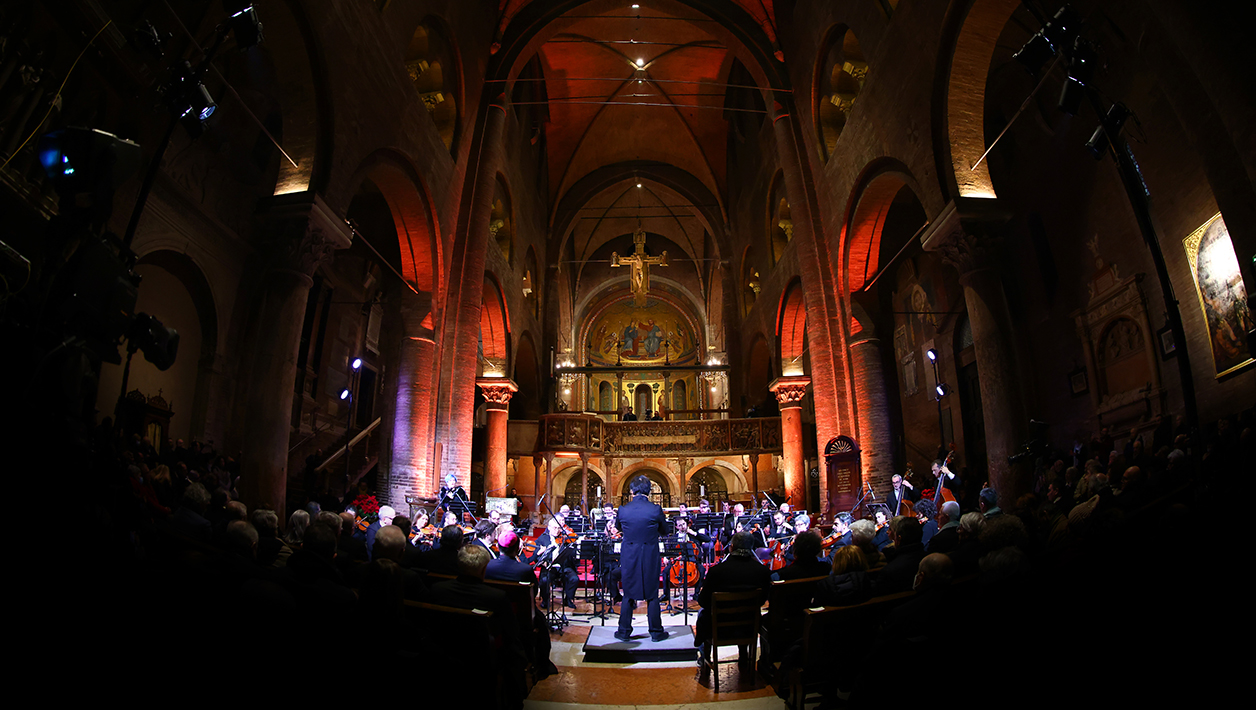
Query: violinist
column 807, row 561
column 882, row 520
column 780, row 527
column 840, row 536
column 559, row 561
column 610, row 529
column 485, row 536
column 453, row 497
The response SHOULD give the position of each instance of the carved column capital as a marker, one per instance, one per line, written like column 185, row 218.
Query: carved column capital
column 962, row 234
column 789, row 391
column 497, row 390
column 301, row 232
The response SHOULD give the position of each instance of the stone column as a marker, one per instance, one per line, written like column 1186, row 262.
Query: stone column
column 820, row 285
column 584, row 482
column 876, row 442
column 789, row 392
column 409, row 456
column 619, row 396
column 461, row 328
column 498, row 391
column 961, row 236
column 301, row 234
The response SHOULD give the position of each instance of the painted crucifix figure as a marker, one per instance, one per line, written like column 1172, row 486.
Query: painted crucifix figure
column 640, row 263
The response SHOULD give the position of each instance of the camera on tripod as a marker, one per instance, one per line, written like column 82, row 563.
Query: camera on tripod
column 92, row 298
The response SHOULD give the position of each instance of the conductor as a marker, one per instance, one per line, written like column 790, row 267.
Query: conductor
column 641, row 522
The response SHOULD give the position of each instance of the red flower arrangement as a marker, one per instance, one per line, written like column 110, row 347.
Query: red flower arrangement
column 367, row 507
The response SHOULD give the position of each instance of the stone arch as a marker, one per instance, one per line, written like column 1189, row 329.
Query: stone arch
column 841, row 71
column 750, row 281
column 653, row 471
column 570, row 468
column 189, row 273
column 501, row 224
column 531, row 281
column 494, row 356
column 307, row 108
column 980, row 24
column 734, row 477
column 791, row 328
column 780, row 227
column 759, row 372
column 527, row 402
column 435, row 70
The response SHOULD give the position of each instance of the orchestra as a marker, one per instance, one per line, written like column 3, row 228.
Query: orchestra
column 690, row 542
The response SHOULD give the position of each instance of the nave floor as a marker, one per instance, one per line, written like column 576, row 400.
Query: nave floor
column 605, row 686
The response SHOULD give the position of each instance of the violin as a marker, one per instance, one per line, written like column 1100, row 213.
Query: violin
column 566, row 535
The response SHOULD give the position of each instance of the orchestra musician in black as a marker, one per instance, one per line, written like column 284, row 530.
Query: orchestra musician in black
column 690, row 542
column 559, row 561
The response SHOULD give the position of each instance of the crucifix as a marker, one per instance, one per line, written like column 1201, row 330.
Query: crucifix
column 640, row 262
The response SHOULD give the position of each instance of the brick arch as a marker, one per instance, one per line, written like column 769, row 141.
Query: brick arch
column 862, row 252
column 980, row 22
column 494, row 327
column 190, row 274
column 570, row 468
column 410, row 202
column 791, row 323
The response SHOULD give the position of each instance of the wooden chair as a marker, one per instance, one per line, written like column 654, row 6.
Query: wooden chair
column 782, row 626
column 735, row 619
column 821, row 661
column 467, row 636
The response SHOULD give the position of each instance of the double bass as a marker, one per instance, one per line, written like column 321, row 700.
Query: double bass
column 942, row 494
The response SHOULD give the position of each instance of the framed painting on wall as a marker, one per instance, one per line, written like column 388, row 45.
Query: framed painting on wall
column 1222, row 296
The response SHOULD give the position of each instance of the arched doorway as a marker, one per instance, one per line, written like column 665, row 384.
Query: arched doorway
column 660, row 488
column 709, row 484
column 642, row 400
column 571, row 494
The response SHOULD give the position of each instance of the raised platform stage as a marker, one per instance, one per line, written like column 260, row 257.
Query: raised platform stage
column 603, row 647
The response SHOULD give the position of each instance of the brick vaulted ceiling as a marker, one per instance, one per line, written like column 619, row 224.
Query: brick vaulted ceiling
column 629, row 85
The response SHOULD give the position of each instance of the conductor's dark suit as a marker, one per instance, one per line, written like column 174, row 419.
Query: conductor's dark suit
column 640, row 561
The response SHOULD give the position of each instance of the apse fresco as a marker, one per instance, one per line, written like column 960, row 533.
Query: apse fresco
column 642, row 335
column 1222, row 296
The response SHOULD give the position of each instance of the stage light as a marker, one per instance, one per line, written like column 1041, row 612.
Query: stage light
column 244, row 23
column 942, row 389
column 189, row 99
column 159, row 343
column 932, row 355
column 357, row 363
column 640, row 63
column 1098, row 143
column 1081, row 69
column 344, row 394
column 1036, row 52
column 1061, row 30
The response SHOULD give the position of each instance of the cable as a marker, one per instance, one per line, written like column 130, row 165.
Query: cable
column 56, row 96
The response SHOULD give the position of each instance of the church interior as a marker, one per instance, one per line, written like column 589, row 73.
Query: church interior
column 759, row 252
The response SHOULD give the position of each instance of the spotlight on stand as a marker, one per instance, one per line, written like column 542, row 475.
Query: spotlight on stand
column 932, row 355
column 1081, row 69
column 942, row 389
column 344, row 394
column 244, row 23
column 1113, row 122
column 190, row 101
column 1059, row 32
column 357, row 363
